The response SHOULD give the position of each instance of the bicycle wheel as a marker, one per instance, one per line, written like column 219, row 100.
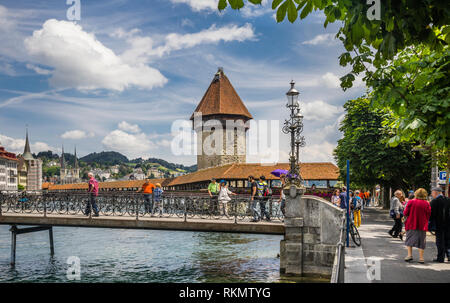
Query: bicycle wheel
column 355, row 235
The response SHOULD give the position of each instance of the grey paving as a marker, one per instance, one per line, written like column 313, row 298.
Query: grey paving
column 380, row 249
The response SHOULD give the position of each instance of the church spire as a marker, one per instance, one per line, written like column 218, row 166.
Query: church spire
column 27, row 151
column 76, row 160
column 27, row 144
column 63, row 162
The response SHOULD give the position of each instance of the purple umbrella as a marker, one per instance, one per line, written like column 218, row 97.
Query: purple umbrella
column 279, row 172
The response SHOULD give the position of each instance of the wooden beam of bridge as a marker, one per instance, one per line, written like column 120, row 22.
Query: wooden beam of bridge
column 192, row 224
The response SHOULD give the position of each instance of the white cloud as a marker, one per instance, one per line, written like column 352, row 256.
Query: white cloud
column 143, row 47
column 77, row 134
column 252, row 11
column 38, row 70
column 331, row 80
column 323, row 39
column 319, row 110
column 17, row 145
column 321, row 152
column 132, row 128
column 80, row 60
column 199, row 5
column 187, row 22
column 131, row 145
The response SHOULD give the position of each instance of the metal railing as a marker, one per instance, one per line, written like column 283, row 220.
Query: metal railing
column 337, row 273
column 181, row 205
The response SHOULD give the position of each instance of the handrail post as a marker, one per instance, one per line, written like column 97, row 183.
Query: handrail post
column 45, row 208
column 235, row 211
column 136, row 209
column 185, row 211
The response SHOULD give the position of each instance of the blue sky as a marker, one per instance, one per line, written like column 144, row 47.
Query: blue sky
column 120, row 76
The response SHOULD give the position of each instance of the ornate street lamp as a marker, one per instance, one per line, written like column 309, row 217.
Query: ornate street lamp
column 294, row 127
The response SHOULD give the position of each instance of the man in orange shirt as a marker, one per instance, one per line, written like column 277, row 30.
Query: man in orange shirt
column 367, row 195
column 147, row 189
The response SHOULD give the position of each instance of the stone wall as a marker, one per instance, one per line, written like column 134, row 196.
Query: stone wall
column 232, row 149
column 312, row 230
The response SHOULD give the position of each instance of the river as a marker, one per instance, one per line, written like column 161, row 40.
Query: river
column 127, row 255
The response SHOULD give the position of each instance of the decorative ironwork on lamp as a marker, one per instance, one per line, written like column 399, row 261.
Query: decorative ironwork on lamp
column 294, row 127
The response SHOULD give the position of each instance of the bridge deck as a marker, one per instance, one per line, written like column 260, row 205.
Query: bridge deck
column 192, row 224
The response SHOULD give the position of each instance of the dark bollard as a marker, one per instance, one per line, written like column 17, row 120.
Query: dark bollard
column 137, row 210
column 50, row 234
column 185, row 214
column 13, row 244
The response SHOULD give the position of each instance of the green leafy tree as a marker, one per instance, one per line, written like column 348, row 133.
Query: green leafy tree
column 401, row 24
column 415, row 89
column 372, row 161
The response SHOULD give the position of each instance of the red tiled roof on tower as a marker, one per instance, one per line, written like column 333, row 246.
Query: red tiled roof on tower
column 221, row 99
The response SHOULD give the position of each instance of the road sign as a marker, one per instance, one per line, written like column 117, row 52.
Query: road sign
column 442, row 176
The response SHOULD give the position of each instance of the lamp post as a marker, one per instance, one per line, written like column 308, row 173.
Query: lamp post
column 294, row 126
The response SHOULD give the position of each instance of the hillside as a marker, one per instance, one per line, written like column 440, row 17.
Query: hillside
column 105, row 158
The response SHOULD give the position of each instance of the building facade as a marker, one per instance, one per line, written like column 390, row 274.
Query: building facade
column 8, row 170
column 68, row 174
column 220, row 106
column 30, row 169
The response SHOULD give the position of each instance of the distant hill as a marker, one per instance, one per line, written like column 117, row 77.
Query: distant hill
column 110, row 158
column 105, row 158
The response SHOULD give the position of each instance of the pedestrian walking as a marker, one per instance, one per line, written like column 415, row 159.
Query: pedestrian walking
column 343, row 198
column 213, row 191
column 418, row 212
column 147, row 189
column 282, row 195
column 157, row 197
column 440, row 219
column 357, row 205
column 262, row 195
column 253, row 201
column 224, row 197
column 367, row 196
column 93, row 193
column 335, row 198
column 396, row 213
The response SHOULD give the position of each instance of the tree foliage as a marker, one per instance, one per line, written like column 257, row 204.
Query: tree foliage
column 402, row 23
column 371, row 160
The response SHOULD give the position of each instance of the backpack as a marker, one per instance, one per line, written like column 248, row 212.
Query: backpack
column 358, row 204
column 263, row 190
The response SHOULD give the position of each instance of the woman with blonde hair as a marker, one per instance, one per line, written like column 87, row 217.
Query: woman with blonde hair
column 418, row 212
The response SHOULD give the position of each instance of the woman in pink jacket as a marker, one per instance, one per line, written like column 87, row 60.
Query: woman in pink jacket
column 418, row 213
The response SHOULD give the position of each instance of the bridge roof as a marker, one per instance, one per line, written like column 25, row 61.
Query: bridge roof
column 106, row 185
column 236, row 171
column 309, row 171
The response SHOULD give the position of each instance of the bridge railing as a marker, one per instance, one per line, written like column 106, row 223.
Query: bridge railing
column 192, row 206
column 337, row 274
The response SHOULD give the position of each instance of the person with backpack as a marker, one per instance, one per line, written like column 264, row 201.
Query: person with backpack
column 262, row 195
column 396, row 213
column 253, row 202
column 357, row 205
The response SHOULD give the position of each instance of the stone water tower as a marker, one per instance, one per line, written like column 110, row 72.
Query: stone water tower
column 220, row 104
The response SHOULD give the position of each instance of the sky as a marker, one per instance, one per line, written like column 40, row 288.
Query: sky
column 119, row 77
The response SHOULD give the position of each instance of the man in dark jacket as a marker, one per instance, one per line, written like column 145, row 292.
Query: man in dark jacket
column 440, row 218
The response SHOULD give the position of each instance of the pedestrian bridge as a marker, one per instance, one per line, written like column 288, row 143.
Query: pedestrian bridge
column 176, row 211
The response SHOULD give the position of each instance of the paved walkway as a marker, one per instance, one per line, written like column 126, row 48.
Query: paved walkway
column 381, row 251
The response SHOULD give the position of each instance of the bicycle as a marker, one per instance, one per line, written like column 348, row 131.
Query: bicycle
column 354, row 233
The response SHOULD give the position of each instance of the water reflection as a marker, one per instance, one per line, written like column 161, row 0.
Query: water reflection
column 114, row 255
